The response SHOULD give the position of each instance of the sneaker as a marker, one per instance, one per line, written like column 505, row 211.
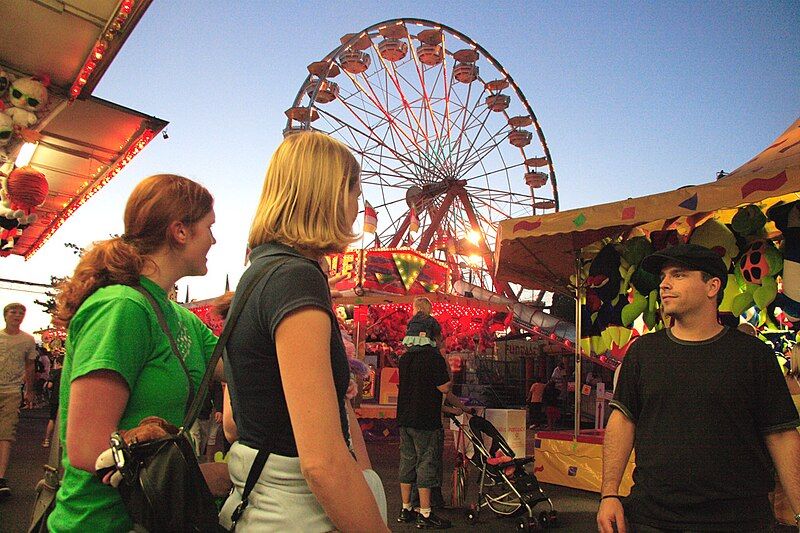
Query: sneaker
column 432, row 522
column 407, row 515
column 5, row 492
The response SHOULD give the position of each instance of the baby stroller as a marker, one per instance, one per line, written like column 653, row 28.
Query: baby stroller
column 505, row 487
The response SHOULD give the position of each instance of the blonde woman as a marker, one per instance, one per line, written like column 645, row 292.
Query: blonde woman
column 286, row 366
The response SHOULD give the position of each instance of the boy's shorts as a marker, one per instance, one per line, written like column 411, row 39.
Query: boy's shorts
column 418, row 451
column 9, row 415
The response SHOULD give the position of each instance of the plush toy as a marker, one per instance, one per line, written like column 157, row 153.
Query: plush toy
column 149, row 429
column 644, row 296
column 787, row 219
column 5, row 82
column 755, row 274
column 602, row 312
column 6, row 126
column 23, row 191
column 6, row 132
column 663, row 239
column 748, row 223
column 28, row 96
column 716, row 236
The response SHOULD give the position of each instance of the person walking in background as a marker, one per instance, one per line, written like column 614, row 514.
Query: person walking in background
column 286, row 366
column 424, row 380
column 119, row 366
column 706, row 408
column 54, row 385
column 535, row 397
column 17, row 356
column 550, row 397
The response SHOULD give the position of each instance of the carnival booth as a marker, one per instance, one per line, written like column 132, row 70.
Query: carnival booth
column 374, row 306
column 58, row 144
column 750, row 217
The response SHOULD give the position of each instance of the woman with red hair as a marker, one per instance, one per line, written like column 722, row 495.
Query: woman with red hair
column 119, row 367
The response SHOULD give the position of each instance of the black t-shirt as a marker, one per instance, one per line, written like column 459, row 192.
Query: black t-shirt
column 419, row 402
column 251, row 362
column 701, row 411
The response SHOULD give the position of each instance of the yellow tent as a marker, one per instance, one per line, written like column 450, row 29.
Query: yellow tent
column 538, row 252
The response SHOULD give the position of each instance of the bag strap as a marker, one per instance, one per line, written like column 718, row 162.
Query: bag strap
column 252, row 477
column 233, row 315
column 162, row 321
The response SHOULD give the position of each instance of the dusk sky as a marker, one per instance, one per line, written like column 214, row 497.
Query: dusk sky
column 634, row 98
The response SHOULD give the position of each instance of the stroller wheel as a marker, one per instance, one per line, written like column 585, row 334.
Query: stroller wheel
column 552, row 519
column 472, row 516
column 526, row 523
column 544, row 519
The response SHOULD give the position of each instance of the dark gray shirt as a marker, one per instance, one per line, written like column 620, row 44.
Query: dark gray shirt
column 251, row 363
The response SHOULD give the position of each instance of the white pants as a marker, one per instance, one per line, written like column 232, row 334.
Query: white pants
column 281, row 499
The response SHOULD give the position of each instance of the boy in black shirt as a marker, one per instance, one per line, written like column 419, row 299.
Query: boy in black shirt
column 705, row 407
column 423, row 381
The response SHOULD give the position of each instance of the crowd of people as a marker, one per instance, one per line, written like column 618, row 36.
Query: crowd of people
column 705, row 407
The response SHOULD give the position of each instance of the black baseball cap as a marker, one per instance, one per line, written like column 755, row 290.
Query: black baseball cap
column 692, row 256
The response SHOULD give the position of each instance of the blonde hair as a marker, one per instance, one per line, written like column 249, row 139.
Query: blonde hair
column 423, row 304
column 305, row 198
column 13, row 305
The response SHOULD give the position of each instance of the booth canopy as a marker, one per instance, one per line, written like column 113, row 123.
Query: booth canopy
column 82, row 142
column 539, row 252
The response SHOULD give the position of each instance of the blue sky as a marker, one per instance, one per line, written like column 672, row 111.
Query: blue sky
column 633, row 97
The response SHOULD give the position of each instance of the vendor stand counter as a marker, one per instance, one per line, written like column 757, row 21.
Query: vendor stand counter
column 378, row 421
column 562, row 460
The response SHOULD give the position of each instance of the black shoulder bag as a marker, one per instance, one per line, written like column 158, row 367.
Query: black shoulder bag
column 162, row 486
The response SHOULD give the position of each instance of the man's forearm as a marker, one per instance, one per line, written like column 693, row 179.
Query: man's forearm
column 617, row 447
column 29, row 375
column 784, row 447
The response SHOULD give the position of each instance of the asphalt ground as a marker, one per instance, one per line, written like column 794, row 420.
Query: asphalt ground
column 576, row 508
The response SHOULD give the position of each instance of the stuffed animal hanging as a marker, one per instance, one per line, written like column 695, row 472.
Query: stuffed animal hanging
column 20, row 194
column 787, row 219
column 28, row 97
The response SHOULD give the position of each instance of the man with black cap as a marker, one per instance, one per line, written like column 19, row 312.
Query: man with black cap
column 705, row 407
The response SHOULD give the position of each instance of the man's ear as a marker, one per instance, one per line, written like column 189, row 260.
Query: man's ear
column 178, row 231
column 716, row 282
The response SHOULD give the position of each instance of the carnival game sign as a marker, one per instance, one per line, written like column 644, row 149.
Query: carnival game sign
column 396, row 271
column 348, row 264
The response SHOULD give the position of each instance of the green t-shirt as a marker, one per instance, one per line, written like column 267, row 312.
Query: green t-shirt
column 116, row 329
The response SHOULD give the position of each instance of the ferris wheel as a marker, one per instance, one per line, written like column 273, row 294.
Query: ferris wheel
column 448, row 144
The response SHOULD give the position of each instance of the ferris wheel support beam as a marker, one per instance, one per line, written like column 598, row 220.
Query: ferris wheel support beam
column 436, row 219
column 501, row 287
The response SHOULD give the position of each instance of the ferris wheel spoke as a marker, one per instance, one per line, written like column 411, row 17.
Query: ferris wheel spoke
column 479, row 153
column 491, row 172
column 465, row 153
column 374, row 100
column 397, row 154
column 420, row 74
column 492, row 209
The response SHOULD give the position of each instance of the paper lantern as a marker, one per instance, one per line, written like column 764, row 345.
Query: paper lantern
column 27, row 188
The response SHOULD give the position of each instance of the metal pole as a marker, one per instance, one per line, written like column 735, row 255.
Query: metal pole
column 578, row 326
